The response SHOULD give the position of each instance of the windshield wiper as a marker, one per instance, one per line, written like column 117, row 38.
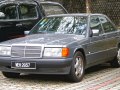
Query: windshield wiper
column 42, row 32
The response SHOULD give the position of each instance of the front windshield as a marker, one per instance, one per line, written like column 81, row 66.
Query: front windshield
column 61, row 25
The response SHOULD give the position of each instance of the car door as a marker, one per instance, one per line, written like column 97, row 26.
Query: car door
column 8, row 23
column 97, row 46
column 111, row 36
column 28, row 16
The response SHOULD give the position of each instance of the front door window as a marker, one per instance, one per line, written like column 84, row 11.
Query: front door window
column 95, row 24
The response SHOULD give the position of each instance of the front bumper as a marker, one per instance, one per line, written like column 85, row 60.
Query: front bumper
column 43, row 66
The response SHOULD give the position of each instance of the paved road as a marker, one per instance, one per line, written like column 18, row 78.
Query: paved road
column 101, row 77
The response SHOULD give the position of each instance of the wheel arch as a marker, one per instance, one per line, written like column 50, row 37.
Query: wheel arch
column 83, row 52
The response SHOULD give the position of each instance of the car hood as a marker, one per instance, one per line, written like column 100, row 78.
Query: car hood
column 46, row 39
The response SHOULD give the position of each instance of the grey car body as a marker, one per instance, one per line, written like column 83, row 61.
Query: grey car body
column 100, row 43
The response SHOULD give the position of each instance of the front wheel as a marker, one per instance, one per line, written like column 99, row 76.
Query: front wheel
column 116, row 62
column 11, row 75
column 77, row 68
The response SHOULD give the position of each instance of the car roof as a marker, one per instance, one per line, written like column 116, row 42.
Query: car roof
column 13, row 1
column 76, row 14
column 49, row 2
column 30, row 1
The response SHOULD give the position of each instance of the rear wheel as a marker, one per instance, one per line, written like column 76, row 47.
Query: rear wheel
column 77, row 68
column 116, row 62
column 11, row 75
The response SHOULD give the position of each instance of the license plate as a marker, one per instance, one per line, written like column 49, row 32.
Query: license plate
column 23, row 65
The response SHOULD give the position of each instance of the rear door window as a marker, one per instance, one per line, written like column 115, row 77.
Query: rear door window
column 10, row 11
column 51, row 9
column 28, row 11
column 107, row 25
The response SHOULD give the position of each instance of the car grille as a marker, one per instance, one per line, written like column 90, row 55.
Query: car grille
column 26, row 51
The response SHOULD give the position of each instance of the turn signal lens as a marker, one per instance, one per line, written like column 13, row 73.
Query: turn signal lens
column 65, row 52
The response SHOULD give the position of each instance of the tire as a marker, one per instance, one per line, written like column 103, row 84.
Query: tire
column 77, row 67
column 11, row 75
column 116, row 62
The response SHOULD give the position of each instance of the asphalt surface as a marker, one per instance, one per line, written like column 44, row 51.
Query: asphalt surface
column 101, row 77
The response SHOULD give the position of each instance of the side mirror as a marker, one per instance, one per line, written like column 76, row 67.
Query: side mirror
column 95, row 32
column 2, row 15
column 26, row 32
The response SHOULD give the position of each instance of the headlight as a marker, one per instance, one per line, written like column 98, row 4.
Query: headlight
column 5, row 50
column 56, row 52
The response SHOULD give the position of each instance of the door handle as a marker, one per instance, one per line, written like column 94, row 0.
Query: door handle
column 19, row 25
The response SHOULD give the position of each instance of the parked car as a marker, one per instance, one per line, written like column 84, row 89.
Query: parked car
column 62, row 44
column 16, row 16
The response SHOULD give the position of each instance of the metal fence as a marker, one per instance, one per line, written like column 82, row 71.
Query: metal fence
column 109, row 7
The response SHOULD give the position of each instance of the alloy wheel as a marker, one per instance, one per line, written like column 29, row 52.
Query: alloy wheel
column 78, row 66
